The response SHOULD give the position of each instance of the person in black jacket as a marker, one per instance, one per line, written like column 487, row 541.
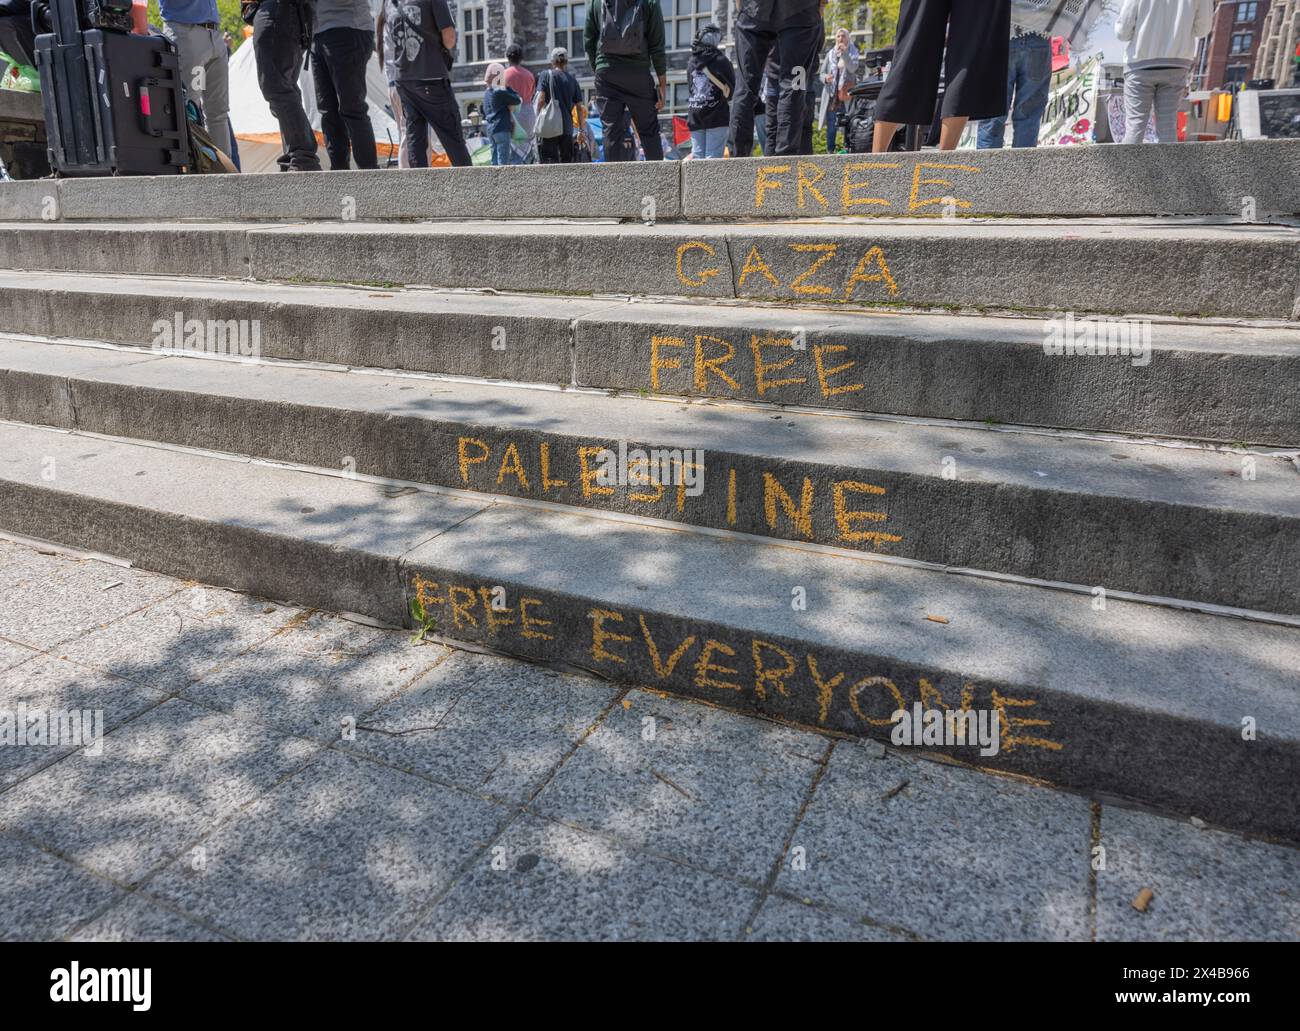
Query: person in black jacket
column 711, row 81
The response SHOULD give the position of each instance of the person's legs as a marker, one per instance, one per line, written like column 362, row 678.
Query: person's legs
column 415, row 135
column 548, row 151
column 752, row 48
column 646, row 120
column 794, row 44
column 977, row 64
column 1033, row 89
column 327, row 100
column 277, row 43
column 715, row 142
column 565, row 141
column 1169, row 85
column 993, row 131
column 348, row 51
column 1139, row 96
column 832, row 127
column 910, row 93
column 613, row 117
column 441, row 111
column 216, row 97
column 501, row 148
column 395, row 102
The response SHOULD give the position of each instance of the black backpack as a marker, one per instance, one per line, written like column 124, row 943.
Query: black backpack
column 622, row 29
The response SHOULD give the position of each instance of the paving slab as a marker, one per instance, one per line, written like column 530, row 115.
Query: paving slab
column 302, row 688
column 706, row 787
column 348, row 849
column 14, row 654
column 1209, row 886
column 53, row 601
column 42, row 897
column 1198, row 524
column 136, row 918
column 942, row 851
column 180, row 638
column 555, row 883
column 162, row 782
column 485, row 724
column 70, row 705
column 783, row 920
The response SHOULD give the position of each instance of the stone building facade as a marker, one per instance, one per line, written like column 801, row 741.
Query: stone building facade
column 1276, row 59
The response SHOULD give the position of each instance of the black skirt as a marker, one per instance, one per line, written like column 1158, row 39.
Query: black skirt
column 978, row 34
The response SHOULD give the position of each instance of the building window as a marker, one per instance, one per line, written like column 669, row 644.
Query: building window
column 473, row 33
column 1248, row 11
column 1241, row 42
column 683, row 19
column 567, row 22
column 679, row 97
column 1234, row 73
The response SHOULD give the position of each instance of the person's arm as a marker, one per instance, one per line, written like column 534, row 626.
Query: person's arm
column 658, row 56
column 380, row 21
column 449, row 37
column 1127, row 21
column 591, row 33
column 512, row 98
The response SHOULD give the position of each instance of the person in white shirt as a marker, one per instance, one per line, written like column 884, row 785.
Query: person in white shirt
column 1161, row 37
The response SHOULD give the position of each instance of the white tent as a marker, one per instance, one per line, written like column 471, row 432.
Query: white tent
column 257, row 131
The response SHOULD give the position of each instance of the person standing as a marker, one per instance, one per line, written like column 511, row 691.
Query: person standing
column 424, row 35
column 557, row 83
column 339, row 55
column 791, row 29
column 710, row 82
column 499, row 104
column 194, row 26
column 282, row 31
column 839, row 74
column 523, row 82
column 624, row 40
column 1029, row 82
column 1161, row 37
column 977, row 34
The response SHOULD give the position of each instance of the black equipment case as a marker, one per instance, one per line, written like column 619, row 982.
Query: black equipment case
column 113, row 101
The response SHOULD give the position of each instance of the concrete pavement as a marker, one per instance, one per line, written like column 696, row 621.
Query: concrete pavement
column 271, row 772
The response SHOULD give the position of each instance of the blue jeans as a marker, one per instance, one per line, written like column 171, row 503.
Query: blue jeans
column 832, row 128
column 1029, row 82
column 708, row 143
column 501, row 148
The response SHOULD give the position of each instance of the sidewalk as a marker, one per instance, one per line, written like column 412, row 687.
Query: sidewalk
column 269, row 772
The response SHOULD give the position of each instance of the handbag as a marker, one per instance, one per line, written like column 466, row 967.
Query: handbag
column 550, row 123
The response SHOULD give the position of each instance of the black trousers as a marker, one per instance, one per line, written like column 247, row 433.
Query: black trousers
column 794, row 46
column 556, row 151
column 623, row 94
column 338, row 64
column 431, row 102
column 279, row 41
column 978, row 35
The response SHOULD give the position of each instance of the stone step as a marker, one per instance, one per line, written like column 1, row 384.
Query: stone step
column 1245, row 180
column 1190, row 523
column 1114, row 267
column 1200, row 380
column 1191, row 712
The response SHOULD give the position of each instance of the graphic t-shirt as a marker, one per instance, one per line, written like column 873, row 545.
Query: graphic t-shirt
column 416, row 28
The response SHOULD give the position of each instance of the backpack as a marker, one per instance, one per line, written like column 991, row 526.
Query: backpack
column 622, row 29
